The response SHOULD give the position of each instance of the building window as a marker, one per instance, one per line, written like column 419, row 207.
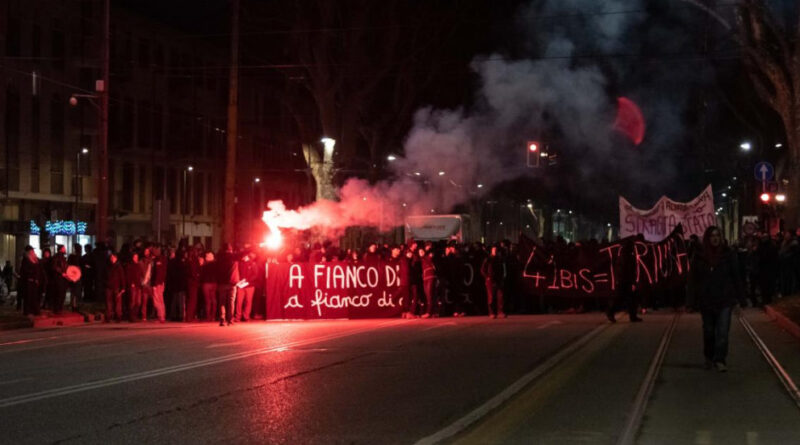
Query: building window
column 10, row 177
column 13, row 37
column 56, row 145
column 158, row 183
column 142, row 188
column 57, row 46
column 198, row 187
column 127, row 186
column 36, row 126
column 158, row 127
column 172, row 191
column 36, row 41
column 143, row 119
column 144, row 53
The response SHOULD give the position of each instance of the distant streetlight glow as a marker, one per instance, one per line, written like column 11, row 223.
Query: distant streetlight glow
column 764, row 197
column 780, row 197
column 391, row 158
column 724, row 195
column 480, row 186
column 84, row 150
column 746, row 146
column 189, row 168
column 257, row 180
column 441, row 173
column 778, row 145
column 328, row 143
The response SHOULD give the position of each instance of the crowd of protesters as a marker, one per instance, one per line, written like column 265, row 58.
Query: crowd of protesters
column 145, row 280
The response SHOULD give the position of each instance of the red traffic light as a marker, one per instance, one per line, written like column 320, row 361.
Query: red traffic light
column 533, row 146
column 765, row 197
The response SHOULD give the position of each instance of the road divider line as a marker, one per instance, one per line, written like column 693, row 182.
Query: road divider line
column 783, row 376
column 640, row 402
column 57, row 392
column 495, row 402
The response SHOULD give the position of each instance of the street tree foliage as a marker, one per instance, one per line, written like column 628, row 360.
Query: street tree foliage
column 771, row 54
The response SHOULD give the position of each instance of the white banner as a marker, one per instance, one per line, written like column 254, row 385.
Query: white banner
column 433, row 227
column 657, row 223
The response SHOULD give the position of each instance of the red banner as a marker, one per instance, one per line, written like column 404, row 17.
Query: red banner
column 335, row 290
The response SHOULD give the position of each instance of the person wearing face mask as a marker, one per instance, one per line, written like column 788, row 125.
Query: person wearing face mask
column 715, row 289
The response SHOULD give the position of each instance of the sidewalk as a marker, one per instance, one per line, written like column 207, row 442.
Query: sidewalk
column 693, row 405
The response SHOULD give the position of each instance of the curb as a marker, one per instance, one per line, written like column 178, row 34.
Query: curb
column 22, row 324
column 782, row 321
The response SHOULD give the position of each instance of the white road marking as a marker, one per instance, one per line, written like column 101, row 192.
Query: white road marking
column 550, row 323
column 57, row 392
column 493, row 403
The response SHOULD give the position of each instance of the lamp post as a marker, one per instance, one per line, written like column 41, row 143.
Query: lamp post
column 78, row 179
column 184, row 206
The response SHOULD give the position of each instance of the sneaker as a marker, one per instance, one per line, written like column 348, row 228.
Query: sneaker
column 221, row 323
column 720, row 366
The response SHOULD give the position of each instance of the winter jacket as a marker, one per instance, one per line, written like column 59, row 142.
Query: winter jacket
column 713, row 288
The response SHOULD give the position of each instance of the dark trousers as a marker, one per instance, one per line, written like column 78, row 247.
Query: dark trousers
column 244, row 303
column 192, row 289
column 716, row 326
column 629, row 298
column 412, row 299
column 494, row 293
column 226, row 299
column 429, row 286
column 210, row 300
column 30, row 291
column 134, row 302
column 113, row 304
column 57, row 295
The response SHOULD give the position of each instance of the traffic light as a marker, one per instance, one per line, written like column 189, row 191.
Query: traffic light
column 765, row 198
column 533, row 150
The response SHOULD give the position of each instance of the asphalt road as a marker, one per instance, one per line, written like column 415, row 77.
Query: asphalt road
column 528, row 379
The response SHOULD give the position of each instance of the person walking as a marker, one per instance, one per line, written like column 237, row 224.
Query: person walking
column 75, row 287
column 114, row 288
column 32, row 278
column 192, row 276
column 133, row 278
column 715, row 289
column 428, row 283
column 158, row 272
column 227, row 278
column 628, row 292
column 493, row 270
column 57, row 281
column 208, row 285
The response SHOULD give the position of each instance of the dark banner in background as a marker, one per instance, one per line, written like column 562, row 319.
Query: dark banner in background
column 335, row 290
column 595, row 272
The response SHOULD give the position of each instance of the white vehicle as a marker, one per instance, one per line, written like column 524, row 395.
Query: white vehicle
column 438, row 228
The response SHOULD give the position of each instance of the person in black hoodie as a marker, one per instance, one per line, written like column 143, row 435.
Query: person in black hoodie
column 115, row 286
column 715, row 289
column 31, row 280
column 57, row 281
column 227, row 278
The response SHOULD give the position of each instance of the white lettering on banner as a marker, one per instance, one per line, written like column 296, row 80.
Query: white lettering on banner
column 358, row 275
column 296, row 273
column 293, row 302
column 337, row 301
column 470, row 276
column 372, row 272
column 318, row 271
column 385, row 300
column 338, row 274
column 659, row 221
column 391, row 276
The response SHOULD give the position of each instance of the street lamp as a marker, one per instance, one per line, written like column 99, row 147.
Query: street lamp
column 780, row 197
column 745, row 146
column 78, row 179
column 328, row 143
column 185, row 206
column 391, row 158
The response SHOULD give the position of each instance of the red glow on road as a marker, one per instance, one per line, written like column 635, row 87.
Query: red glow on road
column 630, row 120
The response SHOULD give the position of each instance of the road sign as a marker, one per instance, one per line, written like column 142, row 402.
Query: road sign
column 764, row 171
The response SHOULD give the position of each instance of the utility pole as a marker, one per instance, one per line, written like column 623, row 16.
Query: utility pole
column 101, row 218
column 233, row 104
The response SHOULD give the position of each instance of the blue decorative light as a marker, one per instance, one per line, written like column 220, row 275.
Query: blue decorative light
column 60, row 227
